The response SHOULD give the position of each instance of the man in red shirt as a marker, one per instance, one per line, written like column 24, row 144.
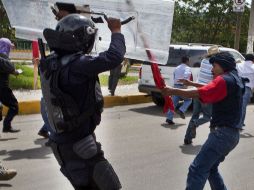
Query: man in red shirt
column 225, row 95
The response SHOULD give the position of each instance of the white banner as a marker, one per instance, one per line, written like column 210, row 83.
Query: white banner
column 30, row 17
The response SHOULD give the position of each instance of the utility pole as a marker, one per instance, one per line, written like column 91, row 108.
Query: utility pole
column 238, row 8
column 251, row 30
column 238, row 30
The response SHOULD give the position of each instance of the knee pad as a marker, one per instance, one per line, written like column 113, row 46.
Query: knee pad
column 105, row 176
column 86, row 148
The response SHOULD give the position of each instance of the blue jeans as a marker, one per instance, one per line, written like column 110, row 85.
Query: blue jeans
column 205, row 166
column 183, row 108
column 246, row 100
column 45, row 126
column 198, row 108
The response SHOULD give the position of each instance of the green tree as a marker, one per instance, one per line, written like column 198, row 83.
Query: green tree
column 207, row 21
column 5, row 27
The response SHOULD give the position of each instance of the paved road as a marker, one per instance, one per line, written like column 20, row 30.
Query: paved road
column 121, row 90
column 146, row 153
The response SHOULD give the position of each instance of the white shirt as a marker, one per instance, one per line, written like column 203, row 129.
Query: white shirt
column 182, row 71
column 246, row 70
column 205, row 73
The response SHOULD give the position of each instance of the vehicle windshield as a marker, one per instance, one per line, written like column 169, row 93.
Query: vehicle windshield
column 175, row 55
column 237, row 56
column 195, row 55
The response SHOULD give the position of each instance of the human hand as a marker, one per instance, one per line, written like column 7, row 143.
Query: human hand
column 114, row 24
column 185, row 82
column 16, row 73
column 167, row 91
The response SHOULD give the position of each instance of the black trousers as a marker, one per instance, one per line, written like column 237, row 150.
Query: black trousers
column 9, row 100
column 77, row 170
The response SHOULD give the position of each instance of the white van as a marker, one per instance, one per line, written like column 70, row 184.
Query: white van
column 196, row 52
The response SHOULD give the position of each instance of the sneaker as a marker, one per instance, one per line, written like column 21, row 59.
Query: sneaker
column 187, row 141
column 7, row 174
column 44, row 134
column 170, row 122
column 10, row 130
column 180, row 113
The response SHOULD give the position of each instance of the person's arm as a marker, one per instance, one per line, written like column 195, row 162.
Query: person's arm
column 188, row 93
column 109, row 59
column 190, row 83
column 210, row 93
column 6, row 66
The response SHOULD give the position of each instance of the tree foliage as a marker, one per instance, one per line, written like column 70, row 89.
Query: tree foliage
column 208, row 21
column 5, row 27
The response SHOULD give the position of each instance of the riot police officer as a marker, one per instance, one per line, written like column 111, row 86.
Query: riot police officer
column 74, row 101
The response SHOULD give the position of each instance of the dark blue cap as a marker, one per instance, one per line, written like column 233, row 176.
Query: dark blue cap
column 225, row 60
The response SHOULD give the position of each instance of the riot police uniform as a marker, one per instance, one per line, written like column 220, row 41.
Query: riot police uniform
column 74, row 101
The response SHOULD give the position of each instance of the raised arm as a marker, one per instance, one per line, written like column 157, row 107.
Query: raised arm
column 6, row 66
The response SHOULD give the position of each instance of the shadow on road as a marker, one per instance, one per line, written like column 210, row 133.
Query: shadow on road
column 150, row 110
column 246, row 135
column 33, row 153
column 190, row 149
column 7, row 139
column 5, row 185
column 156, row 111
column 172, row 127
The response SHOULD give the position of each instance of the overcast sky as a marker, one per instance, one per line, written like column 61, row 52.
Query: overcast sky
column 249, row 1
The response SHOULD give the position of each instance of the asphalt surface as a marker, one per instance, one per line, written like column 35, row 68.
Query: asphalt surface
column 146, row 153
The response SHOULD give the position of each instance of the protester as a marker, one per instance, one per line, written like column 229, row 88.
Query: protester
column 226, row 115
column 6, row 95
column 204, row 77
column 35, row 54
column 246, row 71
column 74, row 101
column 45, row 129
column 183, row 71
column 62, row 9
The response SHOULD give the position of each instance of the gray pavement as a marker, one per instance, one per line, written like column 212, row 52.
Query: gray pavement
column 146, row 153
column 121, row 90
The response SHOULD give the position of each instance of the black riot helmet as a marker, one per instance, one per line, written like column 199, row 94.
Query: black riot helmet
column 73, row 33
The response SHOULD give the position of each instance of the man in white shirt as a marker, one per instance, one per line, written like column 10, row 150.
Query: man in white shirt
column 182, row 71
column 246, row 70
column 204, row 77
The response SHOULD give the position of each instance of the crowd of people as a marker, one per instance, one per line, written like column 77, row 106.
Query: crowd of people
column 72, row 102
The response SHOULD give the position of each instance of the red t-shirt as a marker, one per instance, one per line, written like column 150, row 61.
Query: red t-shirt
column 213, row 92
